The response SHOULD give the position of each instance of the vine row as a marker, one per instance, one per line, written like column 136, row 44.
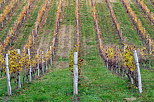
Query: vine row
column 144, row 35
column 115, row 20
column 146, row 10
column 117, row 59
column 7, row 10
column 13, row 30
column 32, row 37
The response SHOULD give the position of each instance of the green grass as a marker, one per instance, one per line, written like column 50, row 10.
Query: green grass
column 9, row 24
column 69, row 11
column 127, row 27
column 55, row 86
column 109, row 33
column 3, row 88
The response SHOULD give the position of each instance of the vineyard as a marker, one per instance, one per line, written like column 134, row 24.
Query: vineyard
column 77, row 50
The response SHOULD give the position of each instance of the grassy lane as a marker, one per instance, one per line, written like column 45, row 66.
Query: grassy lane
column 148, row 86
column 3, row 32
column 56, row 86
column 65, row 38
column 69, row 16
column 145, row 21
column 97, row 84
column 126, row 24
column 3, row 88
column 105, row 22
column 26, row 29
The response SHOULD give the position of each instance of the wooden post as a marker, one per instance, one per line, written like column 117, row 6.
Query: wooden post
column 33, row 38
column 38, row 66
column 75, row 73
column 46, row 61
column 43, row 62
column 19, row 81
column 51, row 60
column 138, row 71
column 30, row 69
column 8, row 76
column 2, row 24
column 51, row 56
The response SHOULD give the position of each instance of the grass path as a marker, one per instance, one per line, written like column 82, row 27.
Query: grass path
column 56, row 86
column 106, row 24
column 97, row 84
column 3, row 88
column 65, row 38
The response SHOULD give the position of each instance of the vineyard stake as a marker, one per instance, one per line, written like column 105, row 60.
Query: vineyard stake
column 30, row 69
column 51, row 56
column 138, row 71
column 8, row 76
column 46, row 61
column 75, row 73
column 51, row 60
column 38, row 66
column 43, row 62
column 2, row 24
column 19, row 81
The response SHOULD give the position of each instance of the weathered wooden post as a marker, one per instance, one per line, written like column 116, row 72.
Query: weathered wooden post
column 138, row 71
column 75, row 73
column 38, row 65
column 43, row 62
column 8, row 76
column 30, row 69
column 19, row 81
column 51, row 55
column 46, row 63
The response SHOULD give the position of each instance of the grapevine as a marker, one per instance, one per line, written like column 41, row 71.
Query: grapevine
column 115, row 19
column 7, row 10
column 31, row 38
column 146, row 10
column 118, row 59
column 21, row 17
column 149, row 41
column 15, row 65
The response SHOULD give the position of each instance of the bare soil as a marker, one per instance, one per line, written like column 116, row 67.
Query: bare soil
column 65, row 44
column 98, row 1
column 113, row 1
